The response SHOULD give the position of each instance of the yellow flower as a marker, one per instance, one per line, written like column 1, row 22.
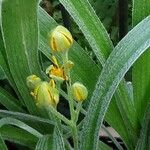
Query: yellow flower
column 32, row 81
column 55, row 71
column 60, row 39
column 46, row 94
column 79, row 92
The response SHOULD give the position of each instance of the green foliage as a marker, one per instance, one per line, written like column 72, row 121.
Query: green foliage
column 23, row 38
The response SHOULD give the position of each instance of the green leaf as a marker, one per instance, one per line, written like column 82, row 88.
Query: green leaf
column 141, row 71
column 18, row 136
column 103, row 146
column 58, row 142
column 2, row 144
column 144, row 140
column 49, row 142
column 92, row 28
column 45, row 143
column 2, row 74
column 15, row 122
column 25, row 117
column 21, row 46
column 118, row 63
column 9, row 101
column 3, row 63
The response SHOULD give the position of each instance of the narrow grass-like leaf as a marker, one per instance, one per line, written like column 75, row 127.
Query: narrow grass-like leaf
column 2, row 144
column 2, row 74
column 45, row 143
column 58, row 142
column 9, row 101
column 118, row 63
column 25, row 117
column 141, row 71
column 18, row 136
column 21, row 46
column 92, row 28
column 3, row 62
column 15, row 122
column 103, row 146
column 144, row 140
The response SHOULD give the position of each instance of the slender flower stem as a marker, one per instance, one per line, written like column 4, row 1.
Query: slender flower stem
column 71, row 102
column 53, row 111
column 75, row 137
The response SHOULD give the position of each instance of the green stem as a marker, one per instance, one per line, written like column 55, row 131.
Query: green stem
column 71, row 102
column 53, row 111
column 75, row 137
column 79, row 106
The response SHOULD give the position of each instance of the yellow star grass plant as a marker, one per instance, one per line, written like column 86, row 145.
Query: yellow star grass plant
column 47, row 94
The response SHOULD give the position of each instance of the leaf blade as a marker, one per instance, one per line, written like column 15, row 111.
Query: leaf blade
column 110, row 77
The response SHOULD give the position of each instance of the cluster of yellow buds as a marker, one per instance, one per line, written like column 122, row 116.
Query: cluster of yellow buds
column 44, row 93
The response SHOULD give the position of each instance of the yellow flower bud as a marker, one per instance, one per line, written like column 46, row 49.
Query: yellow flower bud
column 55, row 71
column 46, row 94
column 79, row 92
column 60, row 39
column 32, row 81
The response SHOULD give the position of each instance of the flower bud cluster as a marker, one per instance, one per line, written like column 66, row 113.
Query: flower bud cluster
column 60, row 41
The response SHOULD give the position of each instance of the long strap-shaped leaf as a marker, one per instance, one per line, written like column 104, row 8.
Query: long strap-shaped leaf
column 18, row 136
column 141, row 70
column 20, row 124
column 88, row 22
column 2, row 144
column 20, row 35
column 9, row 101
column 118, row 63
column 45, row 143
column 144, row 140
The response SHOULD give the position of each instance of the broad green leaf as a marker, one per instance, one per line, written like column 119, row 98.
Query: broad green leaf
column 21, row 46
column 92, row 28
column 2, row 74
column 2, row 144
column 3, row 63
column 144, row 140
column 58, row 142
column 51, row 142
column 25, row 117
column 15, row 122
column 141, row 71
column 120, row 60
column 9, row 101
column 103, row 146
column 116, row 143
column 18, row 136
column 86, row 76
column 45, row 143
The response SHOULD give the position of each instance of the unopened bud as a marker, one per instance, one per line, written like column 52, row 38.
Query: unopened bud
column 79, row 92
column 46, row 94
column 60, row 39
column 32, row 81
